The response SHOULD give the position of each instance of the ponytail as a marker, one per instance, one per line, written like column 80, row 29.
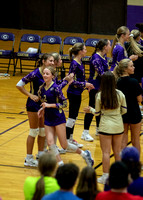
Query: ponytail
column 75, row 49
column 40, row 189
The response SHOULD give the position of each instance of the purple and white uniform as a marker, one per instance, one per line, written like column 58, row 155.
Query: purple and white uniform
column 53, row 95
column 98, row 65
column 78, row 85
column 119, row 53
column 35, row 79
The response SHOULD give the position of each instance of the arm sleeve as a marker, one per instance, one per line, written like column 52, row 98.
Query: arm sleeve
column 98, row 66
column 61, row 84
column 61, row 100
column 20, row 83
column 75, row 82
column 138, row 89
column 123, row 104
column 29, row 78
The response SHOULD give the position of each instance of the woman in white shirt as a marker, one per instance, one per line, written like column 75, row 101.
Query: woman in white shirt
column 111, row 105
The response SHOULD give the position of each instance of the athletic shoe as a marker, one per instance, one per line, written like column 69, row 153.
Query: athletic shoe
column 97, row 131
column 86, row 136
column 38, row 155
column 31, row 162
column 72, row 141
column 88, row 159
column 103, row 178
column 62, row 151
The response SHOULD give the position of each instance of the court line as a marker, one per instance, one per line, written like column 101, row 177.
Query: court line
column 112, row 155
column 20, row 113
column 13, row 127
column 1, row 165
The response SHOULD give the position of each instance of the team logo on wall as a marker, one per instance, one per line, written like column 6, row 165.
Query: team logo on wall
column 51, row 40
column 4, row 37
column 93, row 42
column 73, row 41
column 31, row 38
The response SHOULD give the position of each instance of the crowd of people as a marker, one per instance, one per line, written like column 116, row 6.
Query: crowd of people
column 115, row 96
column 124, row 181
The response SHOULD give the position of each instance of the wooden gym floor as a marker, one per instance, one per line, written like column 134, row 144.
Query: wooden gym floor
column 14, row 129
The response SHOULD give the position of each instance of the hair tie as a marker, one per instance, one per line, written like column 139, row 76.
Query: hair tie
column 131, row 35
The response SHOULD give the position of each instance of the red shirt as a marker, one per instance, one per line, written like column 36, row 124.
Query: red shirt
column 109, row 195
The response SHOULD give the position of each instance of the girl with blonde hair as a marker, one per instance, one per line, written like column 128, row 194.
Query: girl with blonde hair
column 133, row 93
column 118, row 49
column 134, row 47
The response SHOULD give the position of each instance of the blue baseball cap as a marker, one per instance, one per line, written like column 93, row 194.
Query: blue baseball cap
column 130, row 154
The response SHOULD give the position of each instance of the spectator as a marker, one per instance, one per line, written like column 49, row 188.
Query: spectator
column 36, row 187
column 66, row 176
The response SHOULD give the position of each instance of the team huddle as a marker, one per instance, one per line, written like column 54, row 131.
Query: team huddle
column 115, row 93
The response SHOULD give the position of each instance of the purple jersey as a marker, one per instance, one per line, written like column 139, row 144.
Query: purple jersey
column 119, row 53
column 53, row 95
column 61, row 83
column 77, row 86
column 35, row 79
column 98, row 65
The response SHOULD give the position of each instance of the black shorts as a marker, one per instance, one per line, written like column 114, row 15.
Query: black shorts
column 102, row 133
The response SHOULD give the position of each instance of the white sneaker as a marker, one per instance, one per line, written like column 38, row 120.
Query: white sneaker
column 62, row 151
column 88, row 159
column 31, row 162
column 86, row 136
column 103, row 178
column 72, row 141
column 97, row 131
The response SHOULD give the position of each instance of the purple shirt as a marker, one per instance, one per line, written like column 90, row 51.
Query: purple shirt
column 119, row 53
column 77, row 86
column 98, row 65
column 53, row 95
column 61, row 83
column 36, row 80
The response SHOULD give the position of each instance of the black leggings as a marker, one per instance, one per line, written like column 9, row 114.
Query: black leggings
column 88, row 116
column 74, row 106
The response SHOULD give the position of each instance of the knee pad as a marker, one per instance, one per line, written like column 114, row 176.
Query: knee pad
column 53, row 148
column 42, row 132
column 34, row 132
column 72, row 147
column 70, row 122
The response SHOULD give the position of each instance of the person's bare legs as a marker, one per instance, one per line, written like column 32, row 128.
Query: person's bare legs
column 125, row 136
column 135, row 135
column 61, row 133
column 50, row 136
column 33, row 123
column 105, row 143
column 116, row 146
column 41, row 139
